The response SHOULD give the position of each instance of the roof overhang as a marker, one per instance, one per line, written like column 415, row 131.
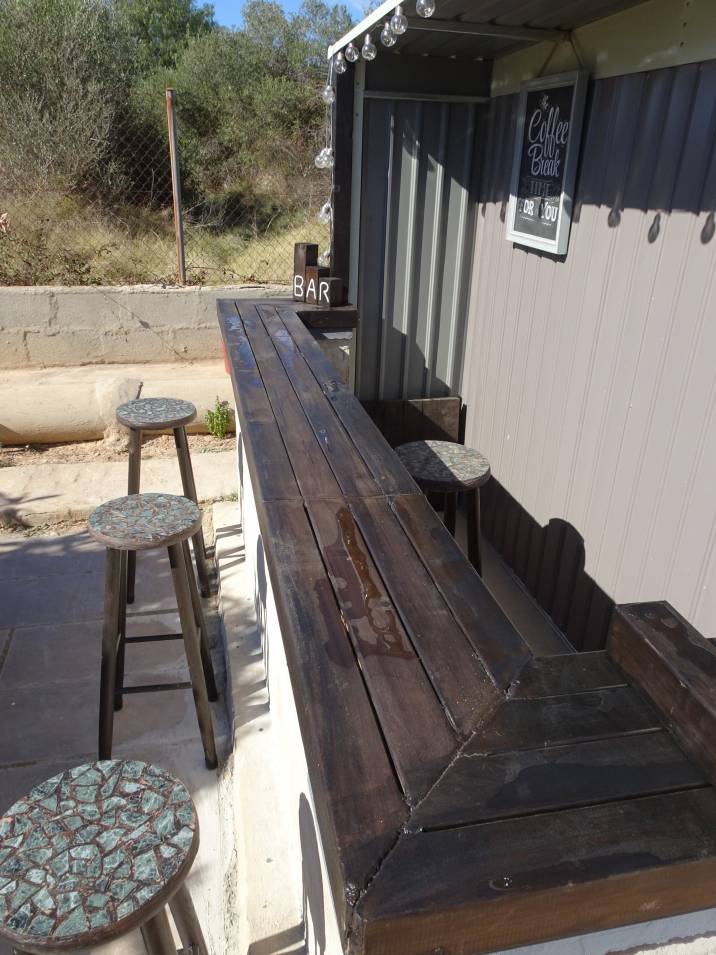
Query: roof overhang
column 482, row 28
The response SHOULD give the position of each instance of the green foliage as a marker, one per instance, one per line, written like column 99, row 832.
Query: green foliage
column 82, row 115
column 219, row 420
column 162, row 28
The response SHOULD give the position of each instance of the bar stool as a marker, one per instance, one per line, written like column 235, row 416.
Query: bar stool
column 161, row 414
column 95, row 852
column 448, row 468
column 145, row 522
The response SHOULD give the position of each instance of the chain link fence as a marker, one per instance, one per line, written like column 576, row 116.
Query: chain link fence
column 111, row 221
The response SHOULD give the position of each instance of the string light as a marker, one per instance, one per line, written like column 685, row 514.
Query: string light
column 325, row 213
column 368, row 51
column 398, row 22
column 425, row 8
column 352, row 53
column 324, row 259
column 328, row 95
column 340, row 63
column 387, row 37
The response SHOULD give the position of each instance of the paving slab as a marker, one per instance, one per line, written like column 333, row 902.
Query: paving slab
column 39, row 493
column 50, row 636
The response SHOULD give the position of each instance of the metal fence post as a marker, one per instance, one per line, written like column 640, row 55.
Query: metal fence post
column 176, row 184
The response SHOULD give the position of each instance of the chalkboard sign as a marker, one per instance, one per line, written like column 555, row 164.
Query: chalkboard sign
column 549, row 125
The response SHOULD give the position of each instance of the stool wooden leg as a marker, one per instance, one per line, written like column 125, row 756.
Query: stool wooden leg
column 449, row 513
column 187, row 923
column 122, row 627
column 180, row 575
column 157, row 935
column 201, row 626
column 109, row 652
column 474, row 553
column 187, row 481
column 135, row 466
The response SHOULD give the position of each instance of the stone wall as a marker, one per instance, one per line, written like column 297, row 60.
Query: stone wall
column 57, row 326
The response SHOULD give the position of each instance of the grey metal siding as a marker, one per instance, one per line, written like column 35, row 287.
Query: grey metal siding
column 419, row 184
column 590, row 381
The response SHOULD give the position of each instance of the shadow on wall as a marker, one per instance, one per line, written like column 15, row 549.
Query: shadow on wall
column 550, row 561
column 314, row 915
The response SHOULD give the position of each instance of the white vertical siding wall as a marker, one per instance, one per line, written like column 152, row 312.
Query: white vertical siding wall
column 590, row 382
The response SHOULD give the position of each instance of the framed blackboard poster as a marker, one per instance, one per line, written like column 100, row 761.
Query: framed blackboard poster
column 549, row 125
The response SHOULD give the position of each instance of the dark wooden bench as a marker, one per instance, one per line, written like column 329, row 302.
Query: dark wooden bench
column 470, row 797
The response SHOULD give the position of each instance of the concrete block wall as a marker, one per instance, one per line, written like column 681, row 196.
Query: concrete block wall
column 57, row 326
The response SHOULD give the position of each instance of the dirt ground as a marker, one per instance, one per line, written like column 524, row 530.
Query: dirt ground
column 154, row 446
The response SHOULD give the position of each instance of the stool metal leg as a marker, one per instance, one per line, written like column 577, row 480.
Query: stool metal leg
column 474, row 553
column 109, row 652
column 157, row 935
column 449, row 513
column 135, row 465
column 187, row 923
column 187, row 481
column 122, row 627
column 201, row 626
column 180, row 575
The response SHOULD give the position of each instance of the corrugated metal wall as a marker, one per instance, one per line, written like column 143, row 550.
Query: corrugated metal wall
column 590, row 383
column 419, row 184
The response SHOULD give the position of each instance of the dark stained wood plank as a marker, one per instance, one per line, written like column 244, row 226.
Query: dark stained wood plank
column 567, row 673
column 383, row 464
column 313, row 473
column 412, row 719
column 676, row 667
column 358, row 800
column 460, row 680
column 483, row 788
column 272, row 474
column 499, row 646
column 497, row 885
column 346, row 463
column 533, row 724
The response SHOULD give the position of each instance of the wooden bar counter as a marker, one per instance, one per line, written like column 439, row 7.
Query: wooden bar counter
column 469, row 797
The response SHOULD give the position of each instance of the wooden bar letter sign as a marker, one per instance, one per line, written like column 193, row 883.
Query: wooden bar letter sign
column 314, row 276
column 305, row 255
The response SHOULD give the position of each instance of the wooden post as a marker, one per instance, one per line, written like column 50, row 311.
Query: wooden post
column 176, row 184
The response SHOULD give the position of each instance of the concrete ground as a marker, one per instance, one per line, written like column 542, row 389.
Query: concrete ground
column 51, row 594
column 40, row 493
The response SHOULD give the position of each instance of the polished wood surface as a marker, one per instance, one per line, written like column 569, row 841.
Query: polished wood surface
column 470, row 797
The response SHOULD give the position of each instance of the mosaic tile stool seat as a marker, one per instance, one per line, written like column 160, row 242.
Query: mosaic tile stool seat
column 447, row 468
column 95, row 852
column 143, row 522
column 162, row 414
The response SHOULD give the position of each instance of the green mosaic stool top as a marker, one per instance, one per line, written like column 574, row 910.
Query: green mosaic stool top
column 156, row 414
column 92, row 853
column 143, row 521
column 444, row 465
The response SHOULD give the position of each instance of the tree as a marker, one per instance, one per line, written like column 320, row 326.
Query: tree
column 163, row 28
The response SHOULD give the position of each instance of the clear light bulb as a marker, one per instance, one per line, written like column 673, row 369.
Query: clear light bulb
column 320, row 160
column 340, row 63
column 368, row 51
column 352, row 53
column 398, row 22
column 387, row 37
column 425, row 8
column 324, row 259
column 328, row 161
column 324, row 215
column 328, row 94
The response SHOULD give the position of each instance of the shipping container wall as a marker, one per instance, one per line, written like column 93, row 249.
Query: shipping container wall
column 590, row 379
column 417, row 221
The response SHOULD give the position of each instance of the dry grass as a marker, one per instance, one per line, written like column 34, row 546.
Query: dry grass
column 63, row 242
